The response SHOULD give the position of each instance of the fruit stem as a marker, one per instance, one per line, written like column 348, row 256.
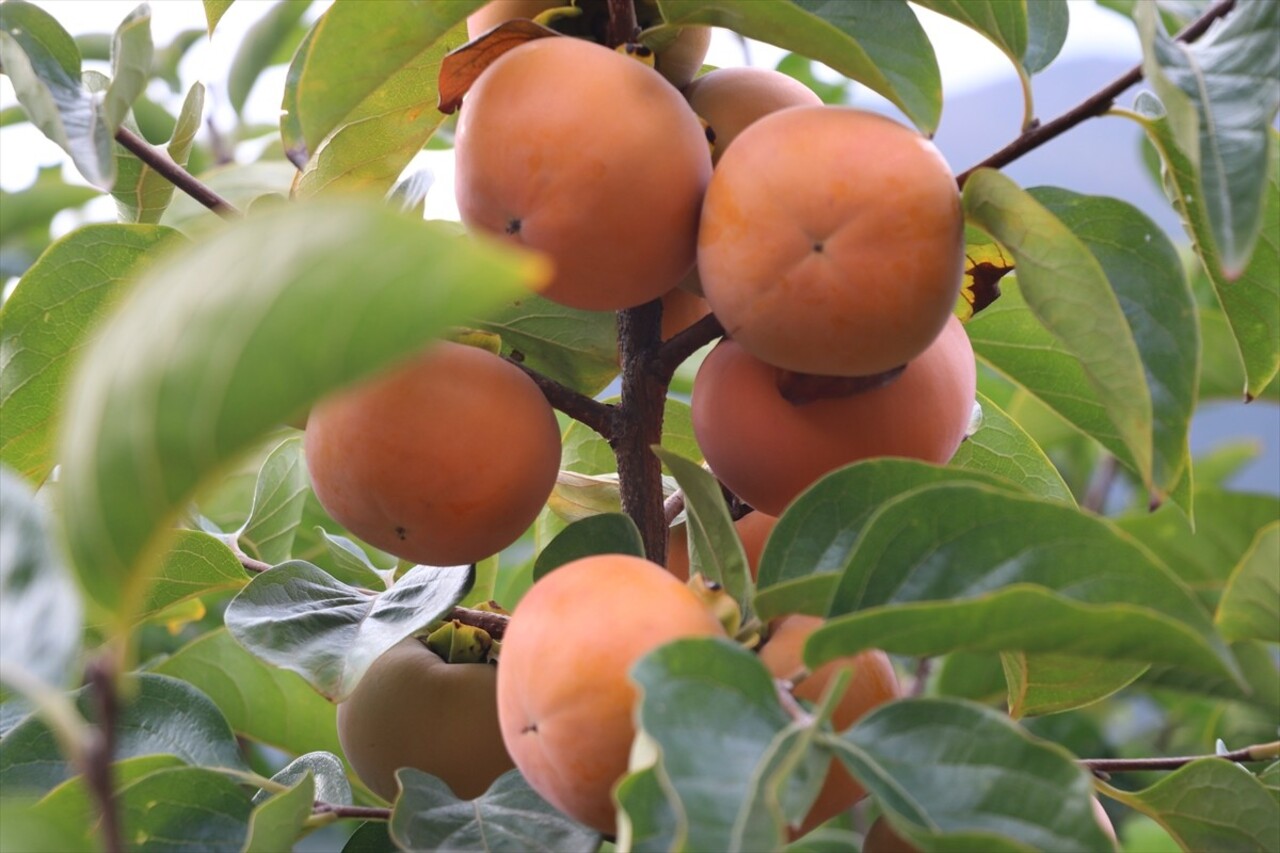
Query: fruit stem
column 637, row 425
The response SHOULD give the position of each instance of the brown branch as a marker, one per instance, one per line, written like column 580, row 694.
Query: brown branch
column 594, row 414
column 684, row 344
column 358, row 812
column 100, row 752
column 1104, row 766
column 622, row 26
column 1091, row 107
column 175, row 174
column 637, row 425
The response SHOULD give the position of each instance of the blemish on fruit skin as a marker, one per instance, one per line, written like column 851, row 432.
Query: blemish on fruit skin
column 532, row 728
column 513, row 226
column 402, row 533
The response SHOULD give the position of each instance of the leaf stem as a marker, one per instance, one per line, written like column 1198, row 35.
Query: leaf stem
column 1093, row 106
column 175, row 174
column 1104, row 766
column 359, row 812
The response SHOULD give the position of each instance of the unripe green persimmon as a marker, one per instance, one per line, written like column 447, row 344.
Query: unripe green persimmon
column 565, row 701
column 411, row 709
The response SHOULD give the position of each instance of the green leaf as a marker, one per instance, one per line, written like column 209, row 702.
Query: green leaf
column 1210, row 804
column 1222, row 373
column 370, row 837
column 1047, row 25
column 1251, row 300
column 809, row 548
column 299, row 618
column 348, row 562
column 1049, row 684
column 131, row 57
column 880, row 45
column 72, row 803
column 196, row 564
column 46, row 323
column 646, row 819
column 24, row 828
column 261, row 702
column 607, row 533
column 259, row 46
column 158, row 716
column 43, row 64
column 214, row 10
column 951, row 775
column 258, row 321
column 277, row 822
column 351, row 54
column 1250, row 607
column 325, row 769
column 1227, row 79
column 715, row 551
column 510, row 816
column 185, row 808
column 574, row 347
column 1003, row 448
column 143, row 194
column 963, row 566
column 240, row 185
column 278, row 501
column 1067, row 290
column 1146, row 273
column 40, row 610
column 585, row 451
column 35, row 206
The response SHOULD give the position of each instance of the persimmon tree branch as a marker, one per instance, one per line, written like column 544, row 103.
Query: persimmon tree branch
column 1093, row 106
column 686, row 342
column 163, row 164
column 637, row 425
column 99, row 752
column 592, row 413
column 1257, row 752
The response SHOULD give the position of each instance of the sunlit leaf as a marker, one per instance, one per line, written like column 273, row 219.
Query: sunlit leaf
column 131, row 56
column 259, row 46
column 142, row 194
column 1001, row 447
column 1250, row 607
column 278, row 500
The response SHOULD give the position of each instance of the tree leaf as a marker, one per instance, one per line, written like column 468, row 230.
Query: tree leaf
column 351, row 54
column 41, row 618
column 510, row 816
column 327, row 772
column 240, row 185
column 880, row 45
column 196, row 564
column 1251, row 299
column 158, row 716
column 131, row 57
column 1049, row 684
column 142, row 194
column 259, row 46
column 963, row 566
column 258, row 321
column 585, row 451
column 715, row 551
column 1067, row 290
column 296, row 617
column 607, row 533
column 24, row 828
column 34, row 207
column 184, row 808
column 370, row 837
column 214, row 10
column 1003, row 448
column 951, row 775
column 278, row 500
column 1047, row 25
column 809, row 548
column 277, row 822
column 43, row 64
column 261, row 702
column 1250, row 607
column 1230, row 81
column 46, row 323
column 1209, row 804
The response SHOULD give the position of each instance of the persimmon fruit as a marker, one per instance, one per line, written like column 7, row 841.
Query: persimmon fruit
column 831, row 241
column 591, row 157
column 731, row 99
column 411, row 709
column 874, row 683
column 767, row 450
column 444, row 460
column 565, row 700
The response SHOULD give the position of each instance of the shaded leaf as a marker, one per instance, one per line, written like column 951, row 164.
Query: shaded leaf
column 880, row 45
column 195, row 564
column 607, row 533
column 131, row 56
column 277, row 822
column 278, row 500
column 296, row 617
column 185, row 808
column 154, row 414
column 1001, row 447
column 1047, row 25
column 46, row 323
column 510, row 816
column 72, row 803
column 1049, row 684
column 1250, row 607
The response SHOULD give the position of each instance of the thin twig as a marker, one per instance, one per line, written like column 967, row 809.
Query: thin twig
column 1104, row 477
column 923, row 667
column 359, row 812
column 673, row 506
column 100, row 753
column 165, row 166
column 684, row 344
column 1257, row 752
column 1091, row 107
column 592, row 413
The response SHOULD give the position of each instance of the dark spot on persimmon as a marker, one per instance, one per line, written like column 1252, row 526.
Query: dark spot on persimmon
column 402, row 533
column 513, row 226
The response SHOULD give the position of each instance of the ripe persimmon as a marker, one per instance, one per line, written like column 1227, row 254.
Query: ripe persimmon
column 730, row 99
column 445, row 460
column 767, row 450
column 565, row 701
column 832, row 241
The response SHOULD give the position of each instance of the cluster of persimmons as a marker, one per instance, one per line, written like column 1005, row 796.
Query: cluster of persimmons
column 828, row 241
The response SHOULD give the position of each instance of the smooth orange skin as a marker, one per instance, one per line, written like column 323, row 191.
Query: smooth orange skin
column 587, row 155
column 412, row 709
column 767, row 450
column 730, row 99
column 443, row 461
column 565, row 701
column 753, row 529
column 832, row 241
column 680, row 310
column 874, row 683
column 496, row 12
column 881, row 838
